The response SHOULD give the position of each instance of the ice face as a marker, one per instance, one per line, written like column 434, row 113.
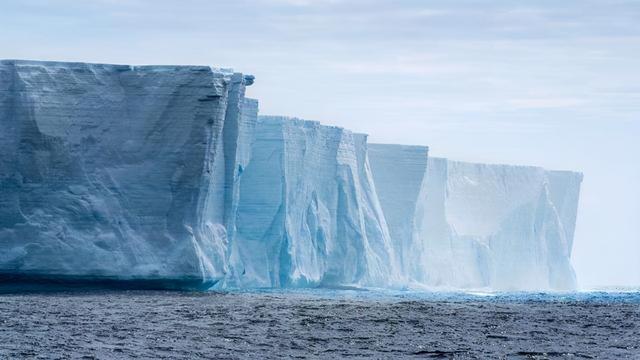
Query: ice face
column 117, row 171
column 308, row 213
column 464, row 225
column 398, row 172
column 237, row 161
column 166, row 173
column 502, row 227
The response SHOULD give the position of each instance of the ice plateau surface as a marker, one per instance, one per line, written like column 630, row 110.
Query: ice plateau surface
column 308, row 212
column 119, row 172
column 495, row 227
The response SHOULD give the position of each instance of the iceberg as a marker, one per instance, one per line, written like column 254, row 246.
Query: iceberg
column 308, row 213
column 498, row 227
column 398, row 172
column 119, row 173
column 166, row 177
column 478, row 226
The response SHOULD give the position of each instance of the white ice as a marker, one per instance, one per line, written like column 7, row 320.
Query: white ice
column 166, row 172
column 478, row 226
column 116, row 171
column 308, row 213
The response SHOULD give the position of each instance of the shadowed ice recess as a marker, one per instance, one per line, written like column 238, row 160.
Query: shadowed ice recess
column 166, row 177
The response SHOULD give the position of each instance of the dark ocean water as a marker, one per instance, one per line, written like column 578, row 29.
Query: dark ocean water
column 318, row 324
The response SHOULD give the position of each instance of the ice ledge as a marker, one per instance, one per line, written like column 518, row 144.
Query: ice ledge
column 247, row 79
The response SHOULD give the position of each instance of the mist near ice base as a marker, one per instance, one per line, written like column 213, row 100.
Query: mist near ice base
column 550, row 84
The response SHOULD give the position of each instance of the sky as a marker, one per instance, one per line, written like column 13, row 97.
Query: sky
column 548, row 83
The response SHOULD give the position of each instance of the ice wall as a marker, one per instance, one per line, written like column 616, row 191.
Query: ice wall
column 461, row 225
column 398, row 172
column 118, row 172
column 498, row 227
column 238, row 159
column 164, row 176
column 308, row 213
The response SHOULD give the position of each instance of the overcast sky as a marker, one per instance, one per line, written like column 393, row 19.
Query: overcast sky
column 550, row 83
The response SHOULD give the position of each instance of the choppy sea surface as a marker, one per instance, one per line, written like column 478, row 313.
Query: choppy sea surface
column 318, row 323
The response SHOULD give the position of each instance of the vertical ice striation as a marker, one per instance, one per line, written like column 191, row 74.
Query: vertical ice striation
column 496, row 227
column 500, row 225
column 398, row 173
column 165, row 176
column 564, row 194
column 464, row 225
column 308, row 212
column 242, row 152
column 116, row 172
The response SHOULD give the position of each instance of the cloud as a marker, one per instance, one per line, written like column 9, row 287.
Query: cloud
column 546, row 103
column 301, row 3
column 414, row 66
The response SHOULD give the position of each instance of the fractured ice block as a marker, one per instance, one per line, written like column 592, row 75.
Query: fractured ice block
column 308, row 214
column 113, row 172
column 497, row 227
column 398, row 172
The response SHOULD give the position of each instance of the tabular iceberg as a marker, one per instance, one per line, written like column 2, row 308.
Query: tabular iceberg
column 165, row 176
column 118, row 172
column 495, row 227
column 308, row 214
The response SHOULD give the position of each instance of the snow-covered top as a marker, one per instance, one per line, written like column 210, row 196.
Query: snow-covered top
column 507, row 166
column 401, row 147
column 294, row 121
column 225, row 72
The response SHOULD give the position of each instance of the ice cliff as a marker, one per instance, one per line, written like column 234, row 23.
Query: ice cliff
column 398, row 173
column 478, row 226
column 118, row 172
column 498, row 227
column 308, row 212
column 165, row 177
